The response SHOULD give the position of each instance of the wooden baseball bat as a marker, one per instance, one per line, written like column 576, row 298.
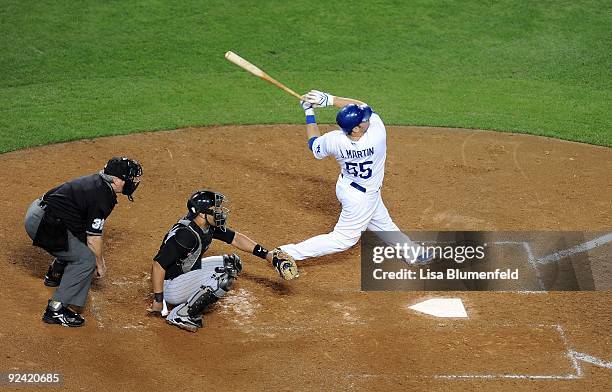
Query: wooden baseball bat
column 242, row 63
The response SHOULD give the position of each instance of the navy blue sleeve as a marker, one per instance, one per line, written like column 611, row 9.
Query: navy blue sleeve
column 311, row 142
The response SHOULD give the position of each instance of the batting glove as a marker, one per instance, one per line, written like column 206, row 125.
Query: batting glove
column 305, row 105
column 319, row 99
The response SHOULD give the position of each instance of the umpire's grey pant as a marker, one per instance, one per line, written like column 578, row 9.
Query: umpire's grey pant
column 80, row 262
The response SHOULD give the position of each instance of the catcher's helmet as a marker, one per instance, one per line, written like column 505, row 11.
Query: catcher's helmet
column 352, row 115
column 209, row 203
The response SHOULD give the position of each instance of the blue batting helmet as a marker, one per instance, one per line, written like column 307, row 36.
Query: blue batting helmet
column 352, row 115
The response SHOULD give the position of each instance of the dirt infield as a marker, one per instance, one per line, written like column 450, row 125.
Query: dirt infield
column 319, row 332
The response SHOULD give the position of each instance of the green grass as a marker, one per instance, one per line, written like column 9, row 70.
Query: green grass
column 72, row 70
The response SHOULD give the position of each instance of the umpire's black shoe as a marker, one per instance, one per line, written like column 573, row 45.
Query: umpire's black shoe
column 63, row 316
column 54, row 274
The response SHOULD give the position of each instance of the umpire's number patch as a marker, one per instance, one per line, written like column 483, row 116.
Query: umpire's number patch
column 98, row 224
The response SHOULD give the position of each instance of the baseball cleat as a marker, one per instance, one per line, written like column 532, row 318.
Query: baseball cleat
column 186, row 323
column 63, row 316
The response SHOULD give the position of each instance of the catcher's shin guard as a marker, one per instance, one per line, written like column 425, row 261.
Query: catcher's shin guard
column 196, row 304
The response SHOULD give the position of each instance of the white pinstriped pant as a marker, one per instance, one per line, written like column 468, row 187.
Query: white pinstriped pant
column 179, row 289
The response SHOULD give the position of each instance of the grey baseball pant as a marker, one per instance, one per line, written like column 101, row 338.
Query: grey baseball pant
column 80, row 262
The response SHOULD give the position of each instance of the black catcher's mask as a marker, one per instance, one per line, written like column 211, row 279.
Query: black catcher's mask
column 129, row 170
column 209, row 203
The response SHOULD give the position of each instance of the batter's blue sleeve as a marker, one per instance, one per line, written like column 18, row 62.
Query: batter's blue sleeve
column 311, row 142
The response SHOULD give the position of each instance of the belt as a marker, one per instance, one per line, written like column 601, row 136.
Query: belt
column 358, row 187
column 355, row 185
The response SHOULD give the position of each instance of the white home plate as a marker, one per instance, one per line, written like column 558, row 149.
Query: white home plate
column 441, row 307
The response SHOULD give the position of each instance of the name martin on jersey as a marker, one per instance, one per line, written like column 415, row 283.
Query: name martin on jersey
column 366, row 152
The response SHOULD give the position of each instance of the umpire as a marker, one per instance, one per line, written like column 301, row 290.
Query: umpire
column 68, row 222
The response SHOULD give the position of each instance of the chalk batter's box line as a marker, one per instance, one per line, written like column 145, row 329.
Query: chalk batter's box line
column 572, row 356
column 531, row 260
column 558, row 255
column 551, row 258
column 569, row 353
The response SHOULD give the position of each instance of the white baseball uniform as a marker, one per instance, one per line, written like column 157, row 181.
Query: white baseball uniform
column 362, row 170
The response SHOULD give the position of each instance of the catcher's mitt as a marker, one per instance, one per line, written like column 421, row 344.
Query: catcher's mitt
column 284, row 264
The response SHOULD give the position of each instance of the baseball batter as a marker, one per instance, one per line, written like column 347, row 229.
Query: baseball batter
column 182, row 277
column 360, row 148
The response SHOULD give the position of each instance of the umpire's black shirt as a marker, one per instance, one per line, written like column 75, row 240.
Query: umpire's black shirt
column 82, row 204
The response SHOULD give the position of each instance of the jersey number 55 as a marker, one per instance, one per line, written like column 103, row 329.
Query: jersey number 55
column 364, row 172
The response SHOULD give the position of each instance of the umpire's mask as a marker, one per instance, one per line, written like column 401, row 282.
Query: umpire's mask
column 129, row 170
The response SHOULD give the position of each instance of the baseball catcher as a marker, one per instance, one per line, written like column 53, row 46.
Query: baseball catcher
column 182, row 277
